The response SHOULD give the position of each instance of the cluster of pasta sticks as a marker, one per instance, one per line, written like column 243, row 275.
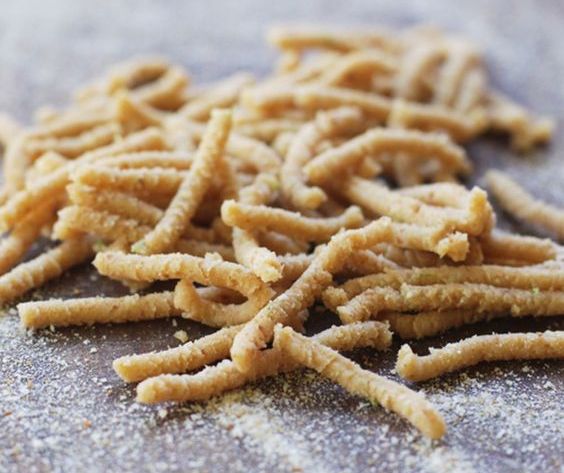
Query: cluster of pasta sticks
column 333, row 180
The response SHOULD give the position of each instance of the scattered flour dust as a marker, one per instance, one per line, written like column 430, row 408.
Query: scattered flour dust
column 64, row 409
column 259, row 426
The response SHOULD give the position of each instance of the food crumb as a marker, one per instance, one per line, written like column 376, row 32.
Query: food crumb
column 181, row 335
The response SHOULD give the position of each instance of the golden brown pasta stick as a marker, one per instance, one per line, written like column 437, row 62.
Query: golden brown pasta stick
column 220, row 294
column 429, row 324
column 382, row 140
column 326, row 125
column 149, row 159
column 191, row 190
column 462, row 58
column 479, row 297
column 215, row 314
column 382, row 201
column 287, row 222
column 221, row 95
column 441, row 194
column 311, row 98
column 74, row 220
column 293, row 266
column 524, row 130
column 315, row 98
column 74, row 146
column 114, row 202
column 133, row 114
column 92, row 310
column 393, row 396
column 177, row 266
column 408, row 258
column 258, row 259
column 417, row 64
column 135, row 72
column 298, row 38
column 500, row 276
column 14, row 246
column 505, row 248
column 47, row 266
column 425, row 117
column 9, row 128
column 282, row 244
column 204, row 351
column 201, row 248
column 268, row 130
column 472, row 91
column 127, row 75
column 519, row 203
column 17, row 161
column 254, row 153
column 367, row 262
column 289, row 61
column 356, row 65
column 72, row 123
column 53, row 184
column 166, row 91
column 228, row 179
column 225, row 376
column 479, row 348
column 187, row 357
column 45, row 164
column 435, row 239
column 138, row 181
column 45, row 114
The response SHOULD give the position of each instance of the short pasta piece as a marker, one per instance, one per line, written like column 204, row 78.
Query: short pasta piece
column 47, row 266
column 391, row 395
column 187, row 357
column 478, row 297
column 471, row 351
column 92, row 310
column 523, row 205
column 287, row 222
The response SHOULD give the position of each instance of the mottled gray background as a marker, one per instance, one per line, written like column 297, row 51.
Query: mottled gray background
column 61, row 406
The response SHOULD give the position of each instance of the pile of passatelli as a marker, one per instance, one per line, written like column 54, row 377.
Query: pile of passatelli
column 334, row 180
